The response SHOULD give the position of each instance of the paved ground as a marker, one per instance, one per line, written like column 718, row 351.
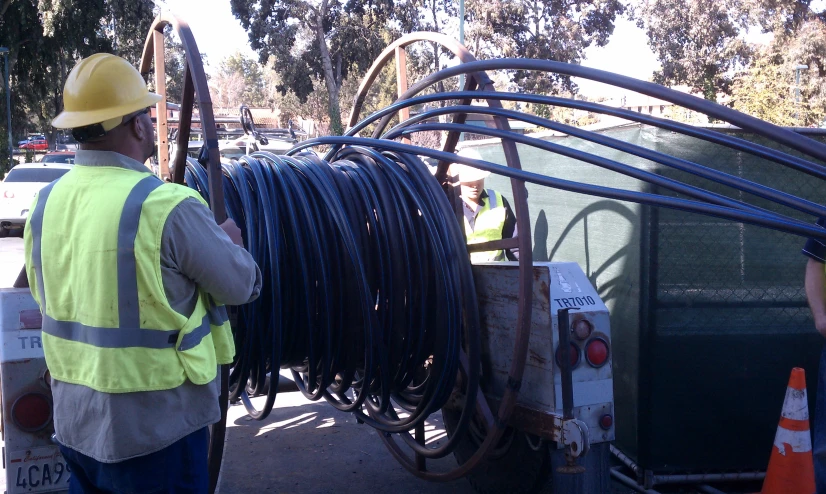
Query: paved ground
column 313, row 448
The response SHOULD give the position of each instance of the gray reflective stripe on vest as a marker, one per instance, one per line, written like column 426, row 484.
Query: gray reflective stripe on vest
column 491, row 198
column 110, row 337
column 36, row 226
column 129, row 333
column 133, row 337
column 215, row 316
column 128, row 303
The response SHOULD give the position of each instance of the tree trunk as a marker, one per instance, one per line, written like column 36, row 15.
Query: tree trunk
column 329, row 75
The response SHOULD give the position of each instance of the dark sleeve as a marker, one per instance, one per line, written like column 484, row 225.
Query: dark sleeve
column 508, row 229
column 815, row 249
column 510, row 220
column 205, row 254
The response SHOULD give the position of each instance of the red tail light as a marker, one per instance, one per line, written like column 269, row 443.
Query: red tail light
column 574, row 356
column 596, row 352
column 8, row 194
column 32, row 412
column 606, row 421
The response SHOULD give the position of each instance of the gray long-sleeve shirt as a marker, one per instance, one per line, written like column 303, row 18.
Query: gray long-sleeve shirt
column 195, row 252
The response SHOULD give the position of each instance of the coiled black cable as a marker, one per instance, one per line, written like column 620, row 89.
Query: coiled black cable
column 367, row 292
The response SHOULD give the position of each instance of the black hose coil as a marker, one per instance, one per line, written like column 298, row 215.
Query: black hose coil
column 367, row 294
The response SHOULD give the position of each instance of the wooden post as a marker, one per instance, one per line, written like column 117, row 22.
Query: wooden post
column 161, row 124
column 401, row 84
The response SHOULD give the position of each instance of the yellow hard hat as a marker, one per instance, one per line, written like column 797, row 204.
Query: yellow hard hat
column 102, row 89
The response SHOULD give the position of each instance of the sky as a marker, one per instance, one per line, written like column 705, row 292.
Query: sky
column 219, row 34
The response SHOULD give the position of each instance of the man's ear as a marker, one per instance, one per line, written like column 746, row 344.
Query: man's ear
column 137, row 129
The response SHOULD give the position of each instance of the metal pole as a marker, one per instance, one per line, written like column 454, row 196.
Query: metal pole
column 797, row 96
column 797, row 70
column 5, row 52
column 461, row 36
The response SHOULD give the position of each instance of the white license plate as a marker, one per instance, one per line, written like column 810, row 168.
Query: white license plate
column 36, row 470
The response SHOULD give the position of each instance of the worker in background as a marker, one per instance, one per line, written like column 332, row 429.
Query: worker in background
column 131, row 275
column 488, row 216
column 815, row 250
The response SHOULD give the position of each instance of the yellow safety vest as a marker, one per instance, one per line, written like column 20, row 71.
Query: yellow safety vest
column 93, row 243
column 490, row 220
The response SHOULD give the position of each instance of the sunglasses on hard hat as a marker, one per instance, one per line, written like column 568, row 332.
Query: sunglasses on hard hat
column 135, row 115
column 96, row 131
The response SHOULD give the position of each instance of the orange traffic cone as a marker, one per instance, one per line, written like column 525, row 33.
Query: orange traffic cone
column 791, row 469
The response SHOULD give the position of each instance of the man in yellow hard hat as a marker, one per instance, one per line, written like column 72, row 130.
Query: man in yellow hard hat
column 131, row 275
column 488, row 216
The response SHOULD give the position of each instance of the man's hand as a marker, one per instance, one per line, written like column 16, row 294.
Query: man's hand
column 233, row 232
column 816, row 293
column 820, row 324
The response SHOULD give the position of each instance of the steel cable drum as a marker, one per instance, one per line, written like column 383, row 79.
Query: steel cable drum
column 367, row 292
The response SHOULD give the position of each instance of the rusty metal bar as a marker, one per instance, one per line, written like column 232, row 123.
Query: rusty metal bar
column 184, row 128
column 401, row 83
column 160, row 107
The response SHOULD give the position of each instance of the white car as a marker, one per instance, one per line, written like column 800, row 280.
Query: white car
column 19, row 188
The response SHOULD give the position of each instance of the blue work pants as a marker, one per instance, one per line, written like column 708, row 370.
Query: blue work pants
column 819, row 427
column 179, row 468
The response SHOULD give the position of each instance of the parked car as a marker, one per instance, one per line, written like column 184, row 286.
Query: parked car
column 36, row 144
column 67, row 157
column 19, row 188
column 30, row 138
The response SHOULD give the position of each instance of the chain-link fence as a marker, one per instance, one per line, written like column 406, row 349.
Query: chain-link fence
column 708, row 316
column 705, row 268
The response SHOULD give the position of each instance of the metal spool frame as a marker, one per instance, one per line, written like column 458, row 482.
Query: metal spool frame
column 494, row 421
column 195, row 90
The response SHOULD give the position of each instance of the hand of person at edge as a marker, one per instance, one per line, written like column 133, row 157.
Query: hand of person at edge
column 233, row 232
column 820, row 324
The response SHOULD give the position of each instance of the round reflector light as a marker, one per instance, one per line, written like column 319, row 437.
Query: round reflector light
column 596, row 352
column 8, row 194
column 574, row 356
column 32, row 412
column 606, row 421
column 582, row 329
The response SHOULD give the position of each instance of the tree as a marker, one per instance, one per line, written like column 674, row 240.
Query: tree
column 174, row 67
column 697, row 42
column 241, row 80
column 323, row 40
column 47, row 37
column 543, row 29
column 768, row 88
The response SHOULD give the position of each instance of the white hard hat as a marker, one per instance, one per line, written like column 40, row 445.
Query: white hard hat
column 467, row 173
